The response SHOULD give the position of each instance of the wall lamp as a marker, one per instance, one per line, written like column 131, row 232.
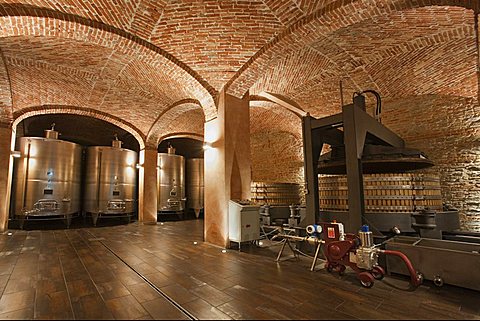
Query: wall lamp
column 207, row 145
column 138, row 166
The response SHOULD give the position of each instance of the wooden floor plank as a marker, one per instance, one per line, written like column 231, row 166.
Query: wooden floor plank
column 205, row 311
column 161, row 309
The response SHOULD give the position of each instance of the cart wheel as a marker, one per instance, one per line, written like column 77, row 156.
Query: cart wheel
column 378, row 272
column 438, row 281
column 366, row 279
column 341, row 270
column 329, row 267
column 420, row 278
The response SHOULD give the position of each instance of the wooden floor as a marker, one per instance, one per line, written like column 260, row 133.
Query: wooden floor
column 113, row 272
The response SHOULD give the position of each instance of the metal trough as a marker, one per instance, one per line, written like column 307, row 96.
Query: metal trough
column 440, row 261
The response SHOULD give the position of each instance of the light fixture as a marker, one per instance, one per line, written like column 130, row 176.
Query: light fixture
column 138, row 166
column 15, row 153
column 207, row 145
column 224, row 251
column 195, row 242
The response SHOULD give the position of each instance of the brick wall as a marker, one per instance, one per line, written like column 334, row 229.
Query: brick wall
column 170, row 119
column 187, row 124
column 275, row 144
column 276, row 157
column 447, row 129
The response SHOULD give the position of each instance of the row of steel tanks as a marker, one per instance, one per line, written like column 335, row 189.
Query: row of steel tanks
column 48, row 180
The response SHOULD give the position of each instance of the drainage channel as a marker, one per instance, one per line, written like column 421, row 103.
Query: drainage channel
column 152, row 285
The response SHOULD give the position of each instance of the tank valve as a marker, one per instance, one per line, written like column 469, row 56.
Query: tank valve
column 116, row 143
column 438, row 281
column 396, row 230
column 51, row 133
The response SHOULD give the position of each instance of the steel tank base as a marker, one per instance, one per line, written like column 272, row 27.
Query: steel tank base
column 197, row 211
column 96, row 216
column 168, row 214
column 22, row 219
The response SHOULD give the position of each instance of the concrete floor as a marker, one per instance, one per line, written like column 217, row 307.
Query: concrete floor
column 113, row 271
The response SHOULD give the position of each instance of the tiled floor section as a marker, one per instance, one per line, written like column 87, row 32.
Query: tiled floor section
column 71, row 274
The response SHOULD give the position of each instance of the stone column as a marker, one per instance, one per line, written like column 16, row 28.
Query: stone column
column 6, row 170
column 227, row 164
column 147, row 191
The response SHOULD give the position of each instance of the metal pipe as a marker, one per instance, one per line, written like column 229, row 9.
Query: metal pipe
column 414, row 276
column 310, row 239
column 341, row 94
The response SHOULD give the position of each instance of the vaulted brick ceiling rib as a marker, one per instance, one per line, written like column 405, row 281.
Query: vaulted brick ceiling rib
column 137, row 59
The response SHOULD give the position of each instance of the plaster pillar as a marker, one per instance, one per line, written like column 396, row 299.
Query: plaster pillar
column 147, row 191
column 6, row 170
column 227, row 166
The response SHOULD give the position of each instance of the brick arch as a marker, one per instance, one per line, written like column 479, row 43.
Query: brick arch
column 194, row 136
column 259, row 101
column 6, row 105
column 267, row 116
column 24, row 20
column 160, row 128
column 81, row 111
column 312, row 66
column 336, row 15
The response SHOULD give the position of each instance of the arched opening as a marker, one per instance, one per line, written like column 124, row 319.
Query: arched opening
column 88, row 170
column 83, row 130
column 192, row 172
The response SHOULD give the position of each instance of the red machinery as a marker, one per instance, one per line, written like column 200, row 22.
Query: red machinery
column 359, row 253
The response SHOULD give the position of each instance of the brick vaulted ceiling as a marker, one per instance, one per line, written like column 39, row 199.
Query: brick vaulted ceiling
column 148, row 65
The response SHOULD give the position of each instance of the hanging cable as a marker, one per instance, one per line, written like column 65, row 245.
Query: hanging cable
column 378, row 109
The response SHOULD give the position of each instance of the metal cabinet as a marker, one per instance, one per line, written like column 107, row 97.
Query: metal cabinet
column 243, row 222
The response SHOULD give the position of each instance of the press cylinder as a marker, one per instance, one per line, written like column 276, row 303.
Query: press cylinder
column 366, row 236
